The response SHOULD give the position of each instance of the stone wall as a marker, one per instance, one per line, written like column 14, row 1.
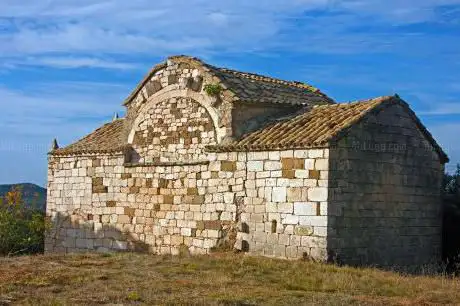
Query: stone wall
column 269, row 203
column 175, row 129
column 286, row 204
column 99, row 203
column 181, row 78
column 384, row 198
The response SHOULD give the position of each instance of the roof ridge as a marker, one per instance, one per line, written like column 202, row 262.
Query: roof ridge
column 382, row 98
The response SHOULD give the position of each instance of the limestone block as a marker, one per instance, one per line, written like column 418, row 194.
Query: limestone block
column 301, row 153
column 320, row 231
column 213, row 233
column 301, row 173
column 257, row 156
column 294, row 194
column 282, row 182
column 317, row 194
column 313, row 220
column 291, row 251
column 322, row 164
column 324, row 209
column 69, row 242
column 287, row 208
column 272, row 165
column 279, row 194
column 262, row 174
column 323, row 183
column 186, row 232
column 80, row 243
column 302, row 230
column 274, row 155
column 260, row 237
column 271, row 207
column 289, row 219
column 305, row 208
column 280, row 251
column 287, row 153
column 318, row 254
column 255, row 165
column 295, row 240
column 317, row 153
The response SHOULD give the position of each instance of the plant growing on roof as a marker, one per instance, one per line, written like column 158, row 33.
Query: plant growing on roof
column 213, row 90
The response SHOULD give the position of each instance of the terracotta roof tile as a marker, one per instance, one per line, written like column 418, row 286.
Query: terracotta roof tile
column 249, row 87
column 316, row 127
column 106, row 139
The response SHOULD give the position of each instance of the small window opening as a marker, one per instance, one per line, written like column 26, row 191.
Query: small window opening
column 274, row 223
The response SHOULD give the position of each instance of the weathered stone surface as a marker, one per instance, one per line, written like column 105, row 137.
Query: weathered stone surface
column 317, row 194
column 303, row 230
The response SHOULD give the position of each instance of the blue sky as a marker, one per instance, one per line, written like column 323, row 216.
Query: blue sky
column 67, row 65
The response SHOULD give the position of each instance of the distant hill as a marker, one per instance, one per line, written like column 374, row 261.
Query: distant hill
column 31, row 193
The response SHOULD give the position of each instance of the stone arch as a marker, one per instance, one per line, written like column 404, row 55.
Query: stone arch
column 167, row 93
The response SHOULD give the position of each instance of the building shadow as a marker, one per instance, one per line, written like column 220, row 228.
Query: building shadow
column 78, row 232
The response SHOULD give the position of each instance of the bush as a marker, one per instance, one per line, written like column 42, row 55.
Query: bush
column 451, row 221
column 22, row 228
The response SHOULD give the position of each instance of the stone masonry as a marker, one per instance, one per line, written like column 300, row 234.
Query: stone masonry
column 264, row 166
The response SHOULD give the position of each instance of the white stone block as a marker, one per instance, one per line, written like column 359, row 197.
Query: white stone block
column 263, row 174
column 313, row 220
column 317, row 194
column 274, row 155
column 301, row 153
column 228, row 197
column 272, row 165
column 271, row 207
column 282, row 182
column 309, row 164
column 257, row 155
column 213, row 234
column 315, row 153
column 322, row 164
column 255, row 165
column 287, row 208
column 279, row 194
column 186, row 232
column 320, row 231
column 270, row 182
column 305, row 209
column 289, row 219
column 301, row 173
column 288, row 153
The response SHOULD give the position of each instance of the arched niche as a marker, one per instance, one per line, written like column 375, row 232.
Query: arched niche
column 175, row 126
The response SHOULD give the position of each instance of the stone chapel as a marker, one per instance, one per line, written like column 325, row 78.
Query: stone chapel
column 211, row 158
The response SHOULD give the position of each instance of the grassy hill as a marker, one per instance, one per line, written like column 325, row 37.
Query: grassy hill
column 31, row 193
column 219, row 279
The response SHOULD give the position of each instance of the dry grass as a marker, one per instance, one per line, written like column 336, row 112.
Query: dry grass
column 220, row 279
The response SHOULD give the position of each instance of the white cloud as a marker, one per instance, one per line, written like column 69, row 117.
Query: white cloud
column 133, row 27
column 439, row 109
column 67, row 109
column 33, row 116
column 71, row 62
